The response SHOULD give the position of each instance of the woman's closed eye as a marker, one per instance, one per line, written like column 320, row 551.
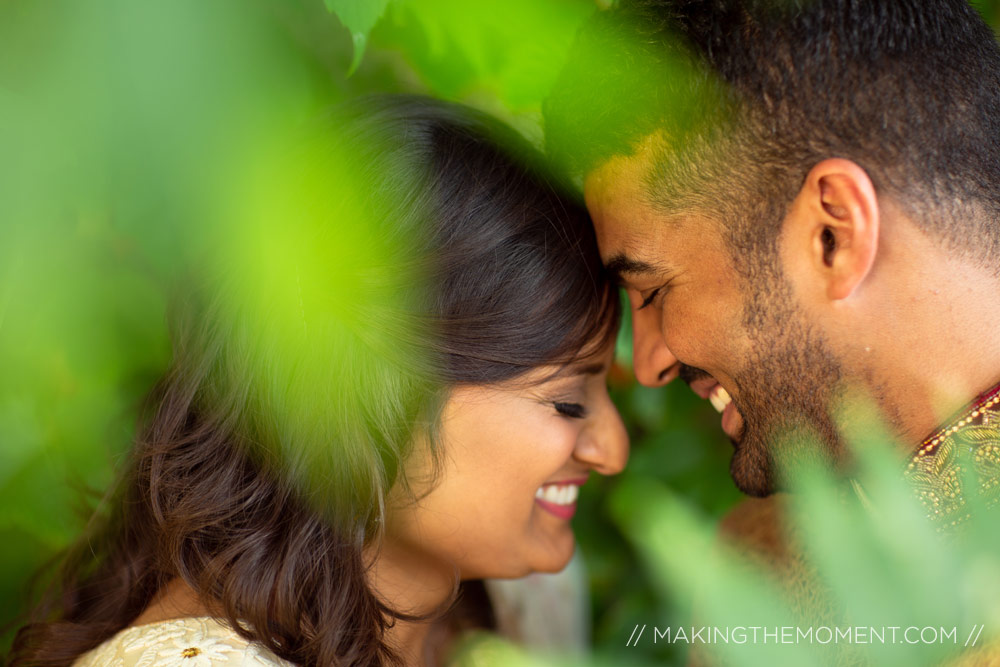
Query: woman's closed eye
column 574, row 410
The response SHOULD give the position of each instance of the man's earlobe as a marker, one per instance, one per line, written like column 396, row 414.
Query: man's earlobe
column 845, row 227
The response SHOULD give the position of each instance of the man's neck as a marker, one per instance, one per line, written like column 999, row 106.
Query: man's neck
column 932, row 348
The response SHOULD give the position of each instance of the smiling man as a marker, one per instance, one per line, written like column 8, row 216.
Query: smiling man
column 802, row 202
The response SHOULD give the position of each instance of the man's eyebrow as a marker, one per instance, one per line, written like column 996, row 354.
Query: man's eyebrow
column 622, row 264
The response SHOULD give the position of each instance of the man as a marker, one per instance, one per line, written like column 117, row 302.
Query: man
column 802, row 202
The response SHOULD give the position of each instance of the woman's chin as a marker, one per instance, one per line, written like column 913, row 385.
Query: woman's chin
column 555, row 567
column 553, row 560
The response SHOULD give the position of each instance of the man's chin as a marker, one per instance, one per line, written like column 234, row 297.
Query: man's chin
column 751, row 467
column 758, row 486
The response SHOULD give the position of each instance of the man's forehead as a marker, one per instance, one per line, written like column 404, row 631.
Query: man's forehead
column 614, row 196
column 628, row 227
column 621, row 178
column 637, row 241
column 637, row 236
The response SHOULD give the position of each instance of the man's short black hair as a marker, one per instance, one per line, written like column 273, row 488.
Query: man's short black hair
column 750, row 94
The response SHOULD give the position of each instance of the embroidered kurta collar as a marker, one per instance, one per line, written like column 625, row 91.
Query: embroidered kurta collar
column 973, row 435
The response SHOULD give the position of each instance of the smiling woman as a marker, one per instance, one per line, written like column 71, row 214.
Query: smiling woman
column 393, row 380
column 517, row 455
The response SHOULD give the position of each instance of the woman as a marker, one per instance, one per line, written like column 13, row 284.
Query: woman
column 396, row 381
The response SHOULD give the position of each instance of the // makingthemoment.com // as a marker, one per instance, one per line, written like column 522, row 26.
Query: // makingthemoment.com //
column 888, row 634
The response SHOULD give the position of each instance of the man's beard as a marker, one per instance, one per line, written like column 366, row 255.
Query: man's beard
column 785, row 392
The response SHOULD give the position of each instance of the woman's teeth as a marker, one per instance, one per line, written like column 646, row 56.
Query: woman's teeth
column 719, row 398
column 558, row 494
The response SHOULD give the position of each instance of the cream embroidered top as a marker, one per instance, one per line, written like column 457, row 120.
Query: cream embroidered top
column 180, row 642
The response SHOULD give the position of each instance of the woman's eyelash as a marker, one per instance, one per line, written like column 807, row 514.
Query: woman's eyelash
column 574, row 410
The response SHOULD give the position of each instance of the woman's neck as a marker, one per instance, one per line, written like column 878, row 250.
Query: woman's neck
column 413, row 583
column 406, row 581
column 175, row 600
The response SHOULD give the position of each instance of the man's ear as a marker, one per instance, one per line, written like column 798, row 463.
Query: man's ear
column 834, row 222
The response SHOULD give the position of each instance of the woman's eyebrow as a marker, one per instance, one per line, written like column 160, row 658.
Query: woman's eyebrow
column 589, row 369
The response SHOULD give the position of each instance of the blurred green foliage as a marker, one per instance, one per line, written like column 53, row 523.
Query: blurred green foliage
column 120, row 122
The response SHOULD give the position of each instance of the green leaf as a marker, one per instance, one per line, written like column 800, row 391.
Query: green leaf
column 471, row 52
column 358, row 16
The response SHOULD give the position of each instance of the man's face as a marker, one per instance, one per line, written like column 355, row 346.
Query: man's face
column 736, row 336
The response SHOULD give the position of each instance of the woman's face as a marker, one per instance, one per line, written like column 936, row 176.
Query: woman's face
column 513, row 459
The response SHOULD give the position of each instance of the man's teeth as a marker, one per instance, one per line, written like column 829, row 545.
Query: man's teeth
column 558, row 494
column 719, row 398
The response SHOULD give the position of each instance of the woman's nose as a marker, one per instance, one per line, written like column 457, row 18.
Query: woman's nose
column 604, row 445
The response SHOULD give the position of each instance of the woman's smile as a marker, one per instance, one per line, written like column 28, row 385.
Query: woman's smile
column 559, row 498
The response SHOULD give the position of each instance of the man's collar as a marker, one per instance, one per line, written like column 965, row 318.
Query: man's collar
column 973, row 434
column 981, row 410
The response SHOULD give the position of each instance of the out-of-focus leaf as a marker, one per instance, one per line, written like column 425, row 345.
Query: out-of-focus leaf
column 358, row 16
column 503, row 58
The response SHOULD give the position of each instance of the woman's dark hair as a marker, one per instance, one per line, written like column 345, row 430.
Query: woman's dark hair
column 412, row 246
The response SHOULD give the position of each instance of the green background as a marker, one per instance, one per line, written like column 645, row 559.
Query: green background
column 120, row 124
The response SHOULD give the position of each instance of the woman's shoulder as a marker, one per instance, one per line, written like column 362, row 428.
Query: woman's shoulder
column 184, row 642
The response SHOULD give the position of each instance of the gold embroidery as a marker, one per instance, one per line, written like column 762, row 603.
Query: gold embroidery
column 191, row 652
column 936, row 472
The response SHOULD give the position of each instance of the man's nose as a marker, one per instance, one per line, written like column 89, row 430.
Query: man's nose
column 654, row 364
